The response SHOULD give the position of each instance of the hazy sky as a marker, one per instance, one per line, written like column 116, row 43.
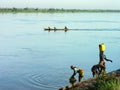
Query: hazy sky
column 72, row 4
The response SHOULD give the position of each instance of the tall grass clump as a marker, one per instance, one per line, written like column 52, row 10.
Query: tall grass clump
column 109, row 82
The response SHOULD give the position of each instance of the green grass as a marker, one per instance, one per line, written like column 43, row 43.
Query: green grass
column 51, row 10
column 107, row 83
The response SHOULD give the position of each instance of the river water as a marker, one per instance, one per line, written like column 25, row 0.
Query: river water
column 34, row 59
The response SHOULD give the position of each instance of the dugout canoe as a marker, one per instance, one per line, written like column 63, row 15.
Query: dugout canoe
column 52, row 29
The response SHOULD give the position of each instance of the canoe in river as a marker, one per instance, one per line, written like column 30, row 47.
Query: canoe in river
column 46, row 29
column 55, row 29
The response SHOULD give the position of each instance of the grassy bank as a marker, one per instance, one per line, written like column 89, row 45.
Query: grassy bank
column 109, row 82
column 51, row 10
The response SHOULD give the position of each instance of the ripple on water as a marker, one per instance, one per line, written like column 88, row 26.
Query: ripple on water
column 42, row 80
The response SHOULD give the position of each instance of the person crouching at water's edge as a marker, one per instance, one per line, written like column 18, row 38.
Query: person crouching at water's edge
column 79, row 71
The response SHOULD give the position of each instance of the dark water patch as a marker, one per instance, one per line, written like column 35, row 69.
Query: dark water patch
column 27, row 49
column 8, row 55
column 29, row 21
column 35, row 52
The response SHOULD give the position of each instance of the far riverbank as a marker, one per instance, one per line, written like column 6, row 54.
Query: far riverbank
column 53, row 10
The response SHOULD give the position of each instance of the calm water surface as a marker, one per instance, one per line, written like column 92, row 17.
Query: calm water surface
column 34, row 59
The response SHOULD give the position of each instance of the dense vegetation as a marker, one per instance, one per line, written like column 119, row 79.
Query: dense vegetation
column 51, row 10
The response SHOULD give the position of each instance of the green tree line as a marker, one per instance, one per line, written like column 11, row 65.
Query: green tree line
column 51, row 10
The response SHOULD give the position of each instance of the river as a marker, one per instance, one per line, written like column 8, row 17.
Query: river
column 34, row 59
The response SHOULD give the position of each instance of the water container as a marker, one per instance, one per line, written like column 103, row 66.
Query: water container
column 102, row 47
